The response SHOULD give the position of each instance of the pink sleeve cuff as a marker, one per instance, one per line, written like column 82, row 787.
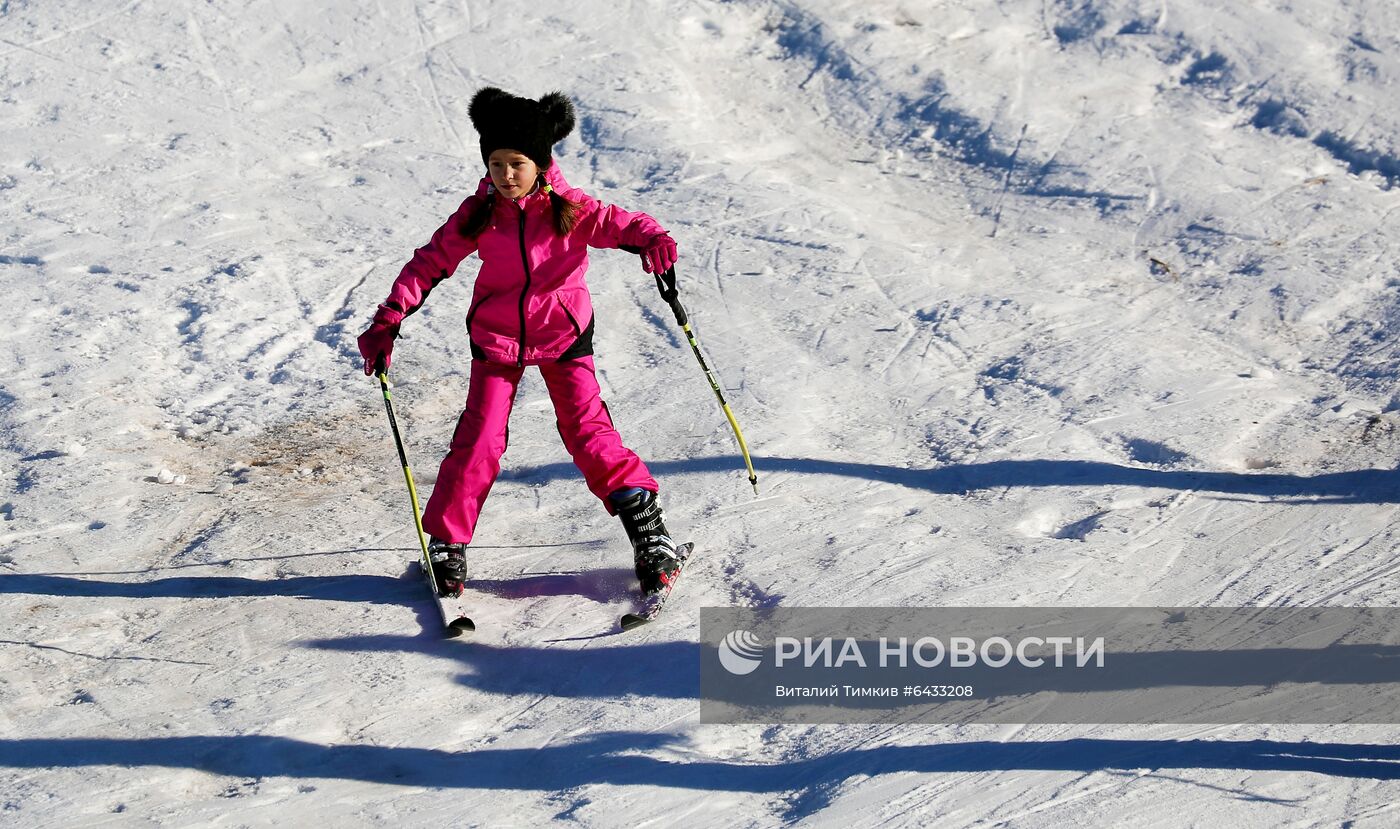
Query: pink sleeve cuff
column 388, row 316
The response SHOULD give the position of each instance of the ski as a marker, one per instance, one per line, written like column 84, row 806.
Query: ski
column 453, row 625
column 654, row 603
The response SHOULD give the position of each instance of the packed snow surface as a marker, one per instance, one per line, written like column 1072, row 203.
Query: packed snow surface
column 1027, row 302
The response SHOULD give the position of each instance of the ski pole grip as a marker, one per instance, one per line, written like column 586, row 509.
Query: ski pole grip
column 666, row 284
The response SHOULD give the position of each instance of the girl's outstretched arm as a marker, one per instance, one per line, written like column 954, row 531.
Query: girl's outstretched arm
column 432, row 263
column 609, row 226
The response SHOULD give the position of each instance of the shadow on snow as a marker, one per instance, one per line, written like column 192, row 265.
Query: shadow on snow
column 353, row 588
column 616, row 759
column 1377, row 486
column 655, row 669
column 670, row 670
column 601, row 585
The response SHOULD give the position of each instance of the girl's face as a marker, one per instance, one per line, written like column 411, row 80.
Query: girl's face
column 512, row 172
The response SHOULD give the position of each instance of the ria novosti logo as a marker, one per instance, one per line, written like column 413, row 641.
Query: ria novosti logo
column 741, row 653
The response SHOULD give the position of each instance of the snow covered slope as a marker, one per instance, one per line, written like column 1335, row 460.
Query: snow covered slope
column 1070, row 302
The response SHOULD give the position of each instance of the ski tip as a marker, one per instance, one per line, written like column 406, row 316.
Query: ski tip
column 460, row 626
column 632, row 620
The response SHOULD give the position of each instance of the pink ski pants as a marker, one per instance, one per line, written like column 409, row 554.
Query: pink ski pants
column 474, row 460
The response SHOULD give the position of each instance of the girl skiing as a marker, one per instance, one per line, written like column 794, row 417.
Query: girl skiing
column 530, row 307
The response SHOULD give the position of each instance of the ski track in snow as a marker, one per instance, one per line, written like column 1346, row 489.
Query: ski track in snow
column 1041, row 303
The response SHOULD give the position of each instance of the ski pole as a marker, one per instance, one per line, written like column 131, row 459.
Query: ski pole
column 666, row 284
column 407, row 474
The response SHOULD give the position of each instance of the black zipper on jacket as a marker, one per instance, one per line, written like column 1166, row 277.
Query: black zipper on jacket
column 525, row 260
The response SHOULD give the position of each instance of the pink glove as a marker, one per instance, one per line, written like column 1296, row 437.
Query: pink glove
column 659, row 254
column 377, row 343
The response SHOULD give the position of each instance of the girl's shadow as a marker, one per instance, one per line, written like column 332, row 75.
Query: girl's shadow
column 602, row 585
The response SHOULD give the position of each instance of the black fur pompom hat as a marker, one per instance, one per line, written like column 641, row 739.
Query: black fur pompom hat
column 506, row 122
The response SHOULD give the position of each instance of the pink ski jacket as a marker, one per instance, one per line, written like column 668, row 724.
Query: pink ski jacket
column 530, row 303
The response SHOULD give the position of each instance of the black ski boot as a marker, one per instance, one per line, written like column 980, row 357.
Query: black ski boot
column 652, row 547
column 449, row 567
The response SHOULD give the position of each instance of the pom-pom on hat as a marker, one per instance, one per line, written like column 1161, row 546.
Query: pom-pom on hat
column 529, row 127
